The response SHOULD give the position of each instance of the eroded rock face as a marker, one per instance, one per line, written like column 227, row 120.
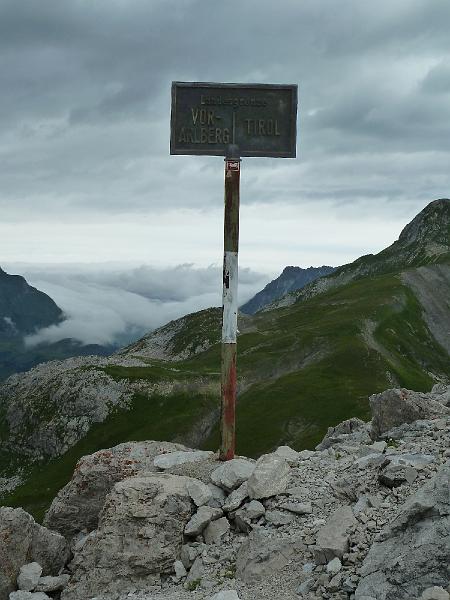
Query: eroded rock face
column 396, row 407
column 22, row 541
column 413, row 553
column 78, row 504
column 351, row 431
column 140, row 534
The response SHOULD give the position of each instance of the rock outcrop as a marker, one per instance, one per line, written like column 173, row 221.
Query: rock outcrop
column 78, row 504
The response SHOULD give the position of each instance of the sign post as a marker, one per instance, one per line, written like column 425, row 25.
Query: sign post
column 232, row 120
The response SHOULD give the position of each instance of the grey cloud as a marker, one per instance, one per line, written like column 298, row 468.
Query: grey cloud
column 114, row 305
column 85, row 101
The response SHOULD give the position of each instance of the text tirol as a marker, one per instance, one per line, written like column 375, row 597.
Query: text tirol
column 207, row 118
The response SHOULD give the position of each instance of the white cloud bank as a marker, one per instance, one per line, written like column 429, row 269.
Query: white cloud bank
column 111, row 305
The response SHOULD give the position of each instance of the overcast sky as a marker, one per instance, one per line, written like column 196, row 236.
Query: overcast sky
column 85, row 171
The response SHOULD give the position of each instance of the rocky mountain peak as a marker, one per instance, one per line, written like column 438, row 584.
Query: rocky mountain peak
column 431, row 225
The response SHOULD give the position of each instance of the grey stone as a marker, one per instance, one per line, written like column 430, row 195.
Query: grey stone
column 254, row 509
column 188, row 554
column 24, row 541
column 289, row 455
column 52, row 584
column 334, row 566
column 196, row 572
column 278, row 517
column 203, row 516
column 140, row 534
column 299, row 508
column 371, row 460
column 24, row 595
column 173, row 459
column 218, row 496
column 236, row 498
column 417, row 461
column 233, row 473
column 435, row 593
column 269, row 478
column 226, row 595
column 305, row 587
column 29, row 575
column 394, row 475
column 397, row 406
column 260, row 556
column 333, row 537
column 78, row 504
column 179, row 569
column 412, row 553
column 352, row 431
column 216, row 531
column 199, row 492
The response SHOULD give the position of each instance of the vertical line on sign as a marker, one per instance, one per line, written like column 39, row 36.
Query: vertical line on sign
column 234, row 126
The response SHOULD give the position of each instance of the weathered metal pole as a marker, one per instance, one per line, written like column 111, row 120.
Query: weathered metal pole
column 230, row 304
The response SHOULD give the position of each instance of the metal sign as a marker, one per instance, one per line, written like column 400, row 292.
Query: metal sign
column 208, row 118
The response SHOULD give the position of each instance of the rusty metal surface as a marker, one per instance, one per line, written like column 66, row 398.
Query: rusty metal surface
column 260, row 119
column 230, row 308
column 228, row 407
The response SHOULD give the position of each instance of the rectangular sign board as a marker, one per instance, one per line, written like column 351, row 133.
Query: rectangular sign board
column 260, row 119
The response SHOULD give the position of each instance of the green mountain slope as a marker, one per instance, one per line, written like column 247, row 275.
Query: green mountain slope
column 302, row 368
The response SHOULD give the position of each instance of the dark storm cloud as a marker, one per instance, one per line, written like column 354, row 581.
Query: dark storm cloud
column 84, row 108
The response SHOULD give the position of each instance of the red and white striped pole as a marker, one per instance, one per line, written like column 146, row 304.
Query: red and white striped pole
column 230, row 306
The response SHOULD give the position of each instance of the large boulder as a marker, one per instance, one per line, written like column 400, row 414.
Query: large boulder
column 413, row 552
column 333, row 538
column 78, row 504
column 395, row 407
column 23, row 541
column 139, row 536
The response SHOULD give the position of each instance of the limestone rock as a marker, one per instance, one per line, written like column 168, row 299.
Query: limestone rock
column 435, row 593
column 290, row 456
column 333, row 538
column 29, row 575
column 278, row 517
column 52, row 584
column 24, row 595
column 394, row 475
column 397, row 406
column 23, row 541
column 260, row 556
column 216, row 530
column 226, row 595
column 199, row 492
column 413, row 552
column 269, row 478
column 254, row 509
column 298, row 508
column 173, row 459
column 200, row 520
column 78, row 504
column 236, row 498
column 351, row 431
column 233, row 473
column 140, row 534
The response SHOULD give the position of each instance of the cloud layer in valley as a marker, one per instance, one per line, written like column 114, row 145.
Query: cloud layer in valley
column 112, row 305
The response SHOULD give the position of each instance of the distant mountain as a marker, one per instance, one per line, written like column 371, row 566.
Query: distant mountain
column 23, row 308
column 290, row 280
column 23, row 311
column 424, row 241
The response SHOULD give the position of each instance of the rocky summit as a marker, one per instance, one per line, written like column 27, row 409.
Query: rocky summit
column 365, row 516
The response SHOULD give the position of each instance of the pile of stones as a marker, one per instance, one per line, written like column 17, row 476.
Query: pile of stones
column 366, row 516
